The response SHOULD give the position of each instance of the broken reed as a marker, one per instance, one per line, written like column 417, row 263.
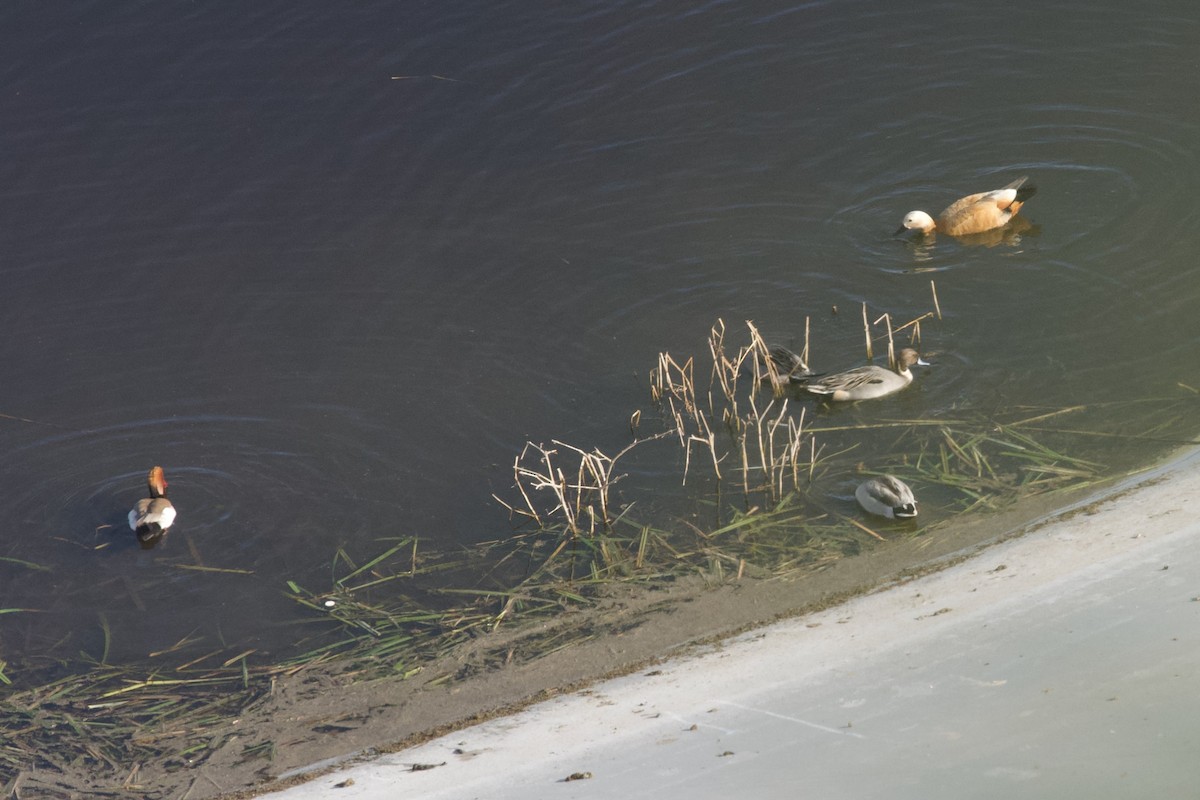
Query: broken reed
column 581, row 496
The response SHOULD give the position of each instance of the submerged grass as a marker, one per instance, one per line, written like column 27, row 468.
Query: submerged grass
column 776, row 505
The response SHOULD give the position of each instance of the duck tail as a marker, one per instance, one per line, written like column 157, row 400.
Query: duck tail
column 150, row 534
column 1023, row 192
column 907, row 511
column 148, row 531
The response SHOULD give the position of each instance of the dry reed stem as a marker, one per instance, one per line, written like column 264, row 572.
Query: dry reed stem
column 804, row 353
column 711, row 442
column 891, row 346
column 860, row 526
column 760, row 353
column 723, row 371
column 867, row 332
column 915, row 322
column 521, row 486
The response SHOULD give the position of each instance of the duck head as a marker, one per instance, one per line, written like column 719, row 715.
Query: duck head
column 908, row 357
column 157, row 482
column 916, row 221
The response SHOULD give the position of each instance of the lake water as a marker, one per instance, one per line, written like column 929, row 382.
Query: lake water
column 332, row 266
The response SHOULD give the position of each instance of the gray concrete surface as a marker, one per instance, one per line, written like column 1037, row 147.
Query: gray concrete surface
column 1064, row 664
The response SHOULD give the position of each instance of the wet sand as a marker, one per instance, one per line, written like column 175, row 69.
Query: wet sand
column 1060, row 657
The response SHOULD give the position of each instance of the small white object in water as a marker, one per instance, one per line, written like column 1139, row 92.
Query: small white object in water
column 330, row 603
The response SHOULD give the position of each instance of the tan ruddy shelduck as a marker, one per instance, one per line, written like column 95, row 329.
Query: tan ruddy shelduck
column 152, row 515
column 865, row 383
column 887, row 496
column 974, row 213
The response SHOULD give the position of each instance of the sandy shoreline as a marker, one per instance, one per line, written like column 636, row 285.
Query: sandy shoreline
column 1131, row 532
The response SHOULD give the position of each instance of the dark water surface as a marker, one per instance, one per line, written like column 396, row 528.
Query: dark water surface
column 331, row 266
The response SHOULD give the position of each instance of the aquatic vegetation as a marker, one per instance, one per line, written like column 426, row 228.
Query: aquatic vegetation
column 763, row 474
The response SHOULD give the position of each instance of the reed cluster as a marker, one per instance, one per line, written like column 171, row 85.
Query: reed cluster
column 762, row 444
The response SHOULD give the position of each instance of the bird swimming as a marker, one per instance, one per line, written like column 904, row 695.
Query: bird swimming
column 864, row 383
column 151, row 516
column 974, row 213
column 887, row 496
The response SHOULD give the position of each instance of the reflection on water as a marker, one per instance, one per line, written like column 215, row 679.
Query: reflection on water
column 332, row 268
column 923, row 247
column 1010, row 235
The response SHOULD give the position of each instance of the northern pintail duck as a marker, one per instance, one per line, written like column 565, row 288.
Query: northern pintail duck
column 152, row 515
column 866, row 383
column 887, row 496
column 974, row 213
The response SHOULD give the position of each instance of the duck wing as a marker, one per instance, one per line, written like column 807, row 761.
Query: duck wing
column 139, row 510
column 845, row 381
column 896, row 494
column 985, row 210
